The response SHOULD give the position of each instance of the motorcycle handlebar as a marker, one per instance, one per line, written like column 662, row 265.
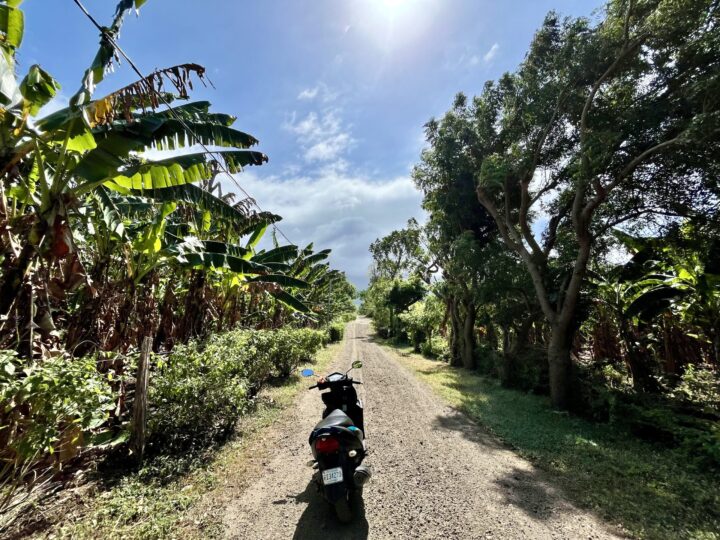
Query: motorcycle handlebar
column 327, row 386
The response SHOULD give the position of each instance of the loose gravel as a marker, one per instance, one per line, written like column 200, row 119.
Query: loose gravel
column 436, row 474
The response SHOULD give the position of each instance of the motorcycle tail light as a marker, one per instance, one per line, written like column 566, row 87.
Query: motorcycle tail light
column 327, row 445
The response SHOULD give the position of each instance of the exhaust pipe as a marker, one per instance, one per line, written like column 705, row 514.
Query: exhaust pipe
column 362, row 475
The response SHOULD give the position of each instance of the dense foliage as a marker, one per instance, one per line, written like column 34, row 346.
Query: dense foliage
column 573, row 240
column 103, row 246
column 201, row 389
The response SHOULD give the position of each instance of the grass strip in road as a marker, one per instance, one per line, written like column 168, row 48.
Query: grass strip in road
column 650, row 491
column 144, row 505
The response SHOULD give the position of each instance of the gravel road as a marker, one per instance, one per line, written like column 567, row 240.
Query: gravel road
column 436, row 475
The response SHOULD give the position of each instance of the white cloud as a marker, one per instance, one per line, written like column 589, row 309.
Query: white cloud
column 309, row 93
column 491, row 53
column 320, row 91
column 464, row 58
column 322, row 136
column 335, row 209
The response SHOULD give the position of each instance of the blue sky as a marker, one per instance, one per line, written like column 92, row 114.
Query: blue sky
column 337, row 91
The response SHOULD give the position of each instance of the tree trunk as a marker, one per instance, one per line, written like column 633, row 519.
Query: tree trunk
column 511, row 354
column 491, row 335
column 468, row 347
column 507, row 367
column 14, row 277
column 455, row 340
column 139, row 420
column 559, row 365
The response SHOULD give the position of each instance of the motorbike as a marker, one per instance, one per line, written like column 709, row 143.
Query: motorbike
column 338, row 442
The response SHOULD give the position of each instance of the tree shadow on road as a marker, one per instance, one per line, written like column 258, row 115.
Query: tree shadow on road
column 457, row 421
column 318, row 521
column 525, row 489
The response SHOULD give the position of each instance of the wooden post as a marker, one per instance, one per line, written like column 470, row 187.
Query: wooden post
column 137, row 429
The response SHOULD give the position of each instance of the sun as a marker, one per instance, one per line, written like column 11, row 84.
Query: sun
column 393, row 24
column 390, row 7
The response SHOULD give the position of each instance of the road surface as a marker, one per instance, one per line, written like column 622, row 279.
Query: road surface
column 436, row 474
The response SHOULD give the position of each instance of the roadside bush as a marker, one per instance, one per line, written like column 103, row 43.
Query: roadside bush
column 700, row 387
column 291, row 347
column 436, row 347
column 349, row 316
column 336, row 331
column 198, row 393
column 201, row 389
column 488, row 360
column 49, row 411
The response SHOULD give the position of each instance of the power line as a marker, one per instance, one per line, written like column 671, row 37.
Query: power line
column 172, row 111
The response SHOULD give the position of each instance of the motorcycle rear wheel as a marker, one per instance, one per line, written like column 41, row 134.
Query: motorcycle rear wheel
column 343, row 511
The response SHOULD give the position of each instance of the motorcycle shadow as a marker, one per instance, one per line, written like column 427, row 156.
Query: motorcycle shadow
column 318, row 521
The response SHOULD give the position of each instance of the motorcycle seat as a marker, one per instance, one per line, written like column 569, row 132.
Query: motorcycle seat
column 337, row 418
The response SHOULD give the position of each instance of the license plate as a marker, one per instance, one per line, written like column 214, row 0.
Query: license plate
column 332, row 476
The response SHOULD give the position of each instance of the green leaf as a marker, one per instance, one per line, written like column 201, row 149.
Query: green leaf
column 194, row 253
column 110, row 213
column 82, row 141
column 280, row 279
column 290, row 301
column 175, row 171
column 38, row 88
column 206, row 221
column 10, row 94
column 256, row 236
column 220, row 209
column 653, row 302
column 12, row 25
column 317, row 257
column 277, row 255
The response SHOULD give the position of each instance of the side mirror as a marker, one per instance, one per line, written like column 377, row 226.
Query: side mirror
column 307, row 373
column 357, row 364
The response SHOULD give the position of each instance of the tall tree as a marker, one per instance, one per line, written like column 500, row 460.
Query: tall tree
column 398, row 254
column 596, row 124
column 458, row 226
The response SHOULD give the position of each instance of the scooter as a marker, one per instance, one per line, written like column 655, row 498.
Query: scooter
column 338, row 442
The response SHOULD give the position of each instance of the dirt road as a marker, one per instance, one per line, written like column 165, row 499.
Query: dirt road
column 436, row 475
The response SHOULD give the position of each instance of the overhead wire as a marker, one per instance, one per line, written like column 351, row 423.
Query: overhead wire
column 174, row 114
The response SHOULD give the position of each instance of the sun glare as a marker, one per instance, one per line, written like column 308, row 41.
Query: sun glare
column 391, row 23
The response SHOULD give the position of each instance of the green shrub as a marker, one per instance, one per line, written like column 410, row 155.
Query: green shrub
column 336, row 331
column 198, row 393
column 700, row 387
column 201, row 389
column 349, row 316
column 436, row 347
column 291, row 347
column 488, row 360
column 49, row 411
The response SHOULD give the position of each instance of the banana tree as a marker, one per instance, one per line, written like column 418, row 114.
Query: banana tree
column 662, row 285
column 58, row 169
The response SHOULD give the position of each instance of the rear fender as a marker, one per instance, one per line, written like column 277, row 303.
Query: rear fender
column 335, row 492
